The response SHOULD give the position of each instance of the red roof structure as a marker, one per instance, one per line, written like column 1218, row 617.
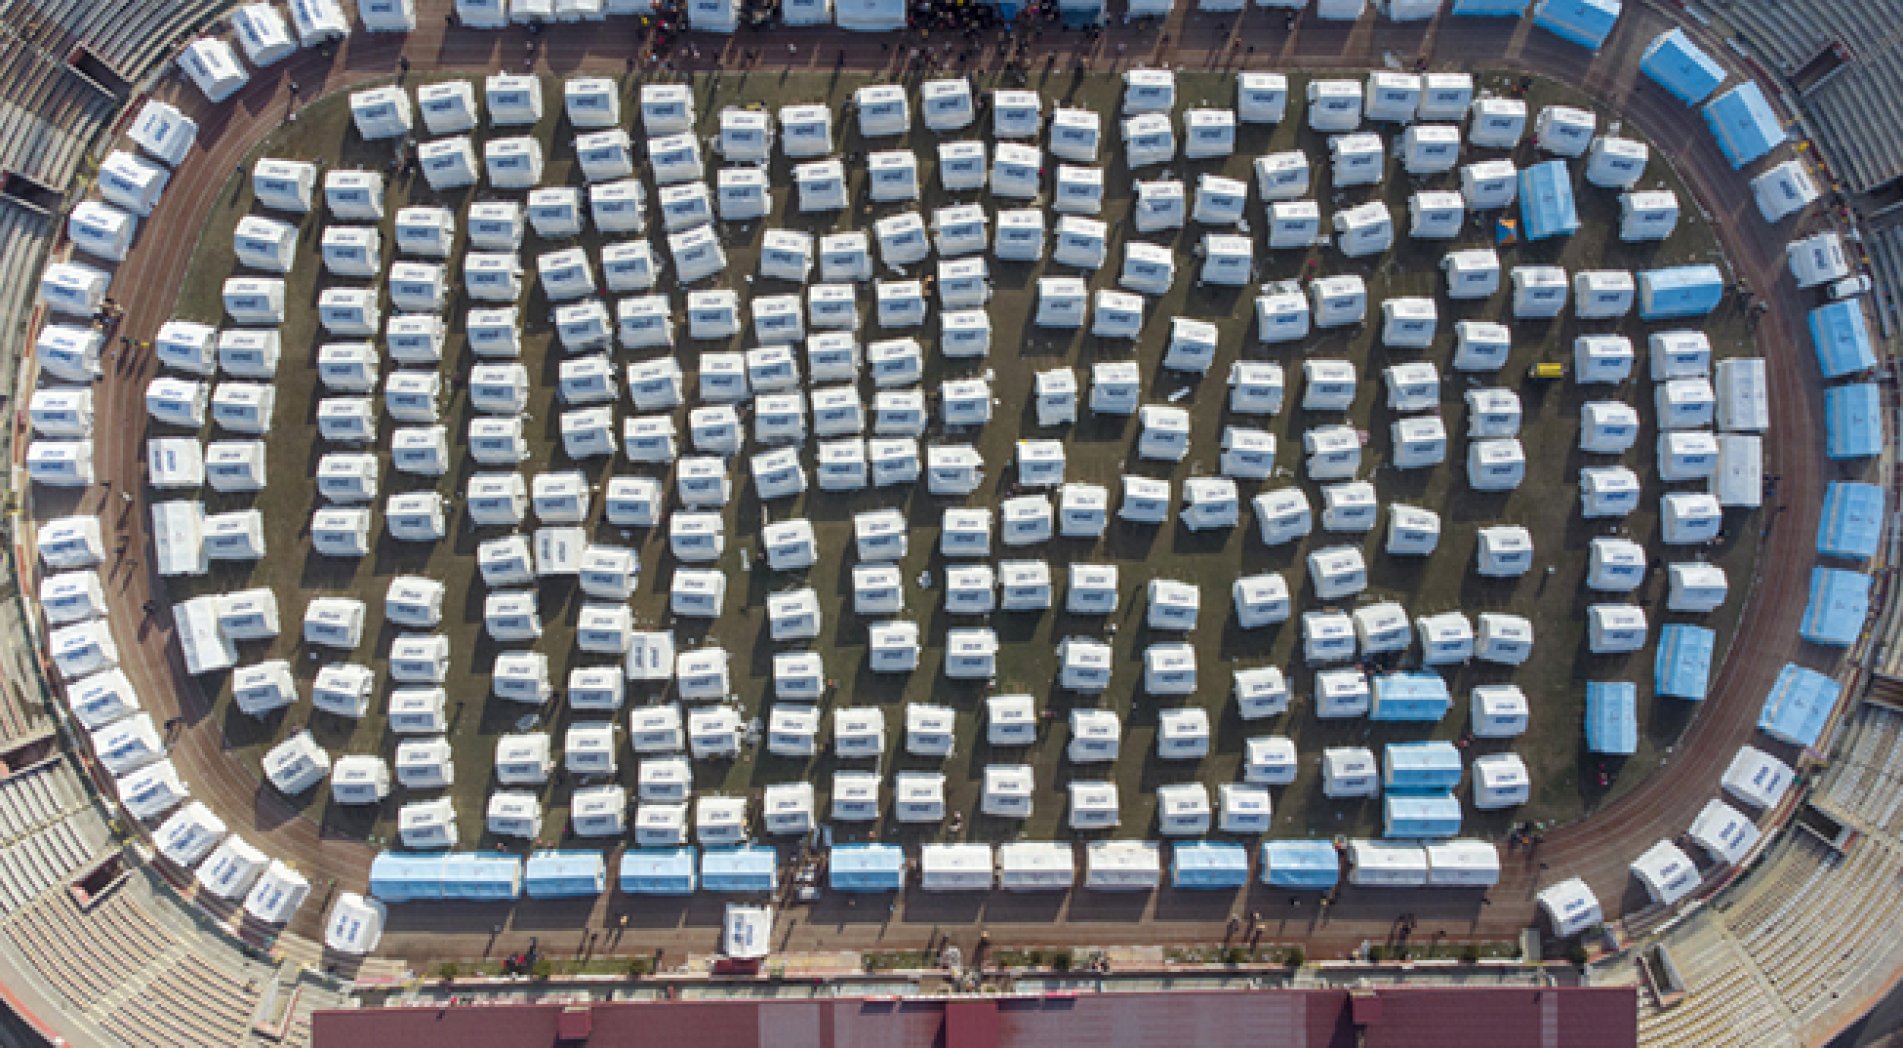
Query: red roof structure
column 1388, row 1017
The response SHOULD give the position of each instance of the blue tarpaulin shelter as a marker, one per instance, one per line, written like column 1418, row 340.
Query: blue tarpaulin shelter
column 743, row 870
column 1798, row 705
column 1546, row 201
column 866, row 868
column 1583, row 22
column 1851, row 524
column 1420, row 816
column 1841, row 335
column 1612, row 717
column 1853, row 421
column 1680, row 291
column 1682, row 667
column 1490, row 8
column 1314, row 865
column 565, row 874
column 1079, row 13
column 1839, row 604
column 1413, row 696
column 445, row 877
column 658, row 871
column 1744, row 124
column 1682, row 67
column 1430, row 767
column 1207, row 864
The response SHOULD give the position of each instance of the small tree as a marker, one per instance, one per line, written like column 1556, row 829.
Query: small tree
column 542, row 968
column 1296, row 958
column 449, row 970
column 1377, row 953
column 1470, row 953
column 1576, row 953
column 1061, row 960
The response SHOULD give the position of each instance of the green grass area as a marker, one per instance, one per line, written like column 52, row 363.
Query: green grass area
column 1100, row 450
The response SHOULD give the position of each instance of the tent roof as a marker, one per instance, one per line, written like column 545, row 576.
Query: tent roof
column 1798, row 705
column 1744, row 124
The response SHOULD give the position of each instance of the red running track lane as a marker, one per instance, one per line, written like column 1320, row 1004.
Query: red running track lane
column 1597, row 848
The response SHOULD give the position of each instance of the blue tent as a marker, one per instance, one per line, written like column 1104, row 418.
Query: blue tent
column 1680, row 291
column 1839, row 604
column 1546, row 201
column 1853, row 421
column 1682, row 668
column 1411, row 816
column 1490, row 8
column 1742, row 121
column 445, row 876
column 1612, row 717
column 1076, row 14
column 1432, row 767
column 1583, row 22
column 1412, row 696
column 1841, row 335
column 1797, row 706
column 866, row 868
column 1206, row 864
column 565, row 874
column 744, row 870
column 658, row 871
column 1682, row 67
column 1314, row 865
column 1851, row 524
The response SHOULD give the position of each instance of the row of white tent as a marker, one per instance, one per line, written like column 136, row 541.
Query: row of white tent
column 265, row 38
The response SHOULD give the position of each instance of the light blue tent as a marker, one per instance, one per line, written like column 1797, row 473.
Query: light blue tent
column 1079, row 13
column 1851, row 524
column 1420, row 816
column 1583, row 22
column 1612, row 717
column 445, row 876
column 1207, row 864
column 1839, row 604
column 1744, row 124
column 1841, row 335
column 1682, row 667
column 1680, row 291
column 866, row 868
column 565, row 874
column 1798, row 705
column 658, row 871
column 1853, row 421
column 1682, row 67
column 1546, row 201
column 745, row 870
column 1413, row 696
column 1309, row 865
column 1490, row 8
column 1427, row 767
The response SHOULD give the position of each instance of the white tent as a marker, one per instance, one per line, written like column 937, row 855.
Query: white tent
column 1337, row 571
column 1350, row 771
column 189, row 834
column 1615, row 163
column 1092, row 589
column 1649, row 215
column 1260, row 600
column 382, row 112
column 1500, row 780
column 1007, row 791
column 1539, row 292
column 666, row 109
column 1615, row 565
column 1784, row 190
column 1429, row 149
column 213, row 67
column 165, row 133
column 296, row 764
column 883, row 110
column 1334, row 105
column 101, row 230
column 1565, row 130
column 1689, row 518
column 1392, row 97
column 354, row 196
column 1349, row 508
column 1696, row 587
column 1366, row 229
column 1083, row 666
column 263, row 34
column 1358, row 159
column 131, row 184
column 232, row 868
column 1503, row 551
column 1758, row 779
column 1724, row 833
column 1615, row 628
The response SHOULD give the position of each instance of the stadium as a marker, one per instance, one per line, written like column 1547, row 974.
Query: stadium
column 581, row 521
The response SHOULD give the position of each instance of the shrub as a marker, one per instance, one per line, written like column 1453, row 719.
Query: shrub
column 1061, row 960
column 449, row 970
column 1235, row 955
column 1576, row 953
column 1034, row 959
column 1296, row 957
column 639, row 966
column 1470, row 953
column 1377, row 953
column 542, row 968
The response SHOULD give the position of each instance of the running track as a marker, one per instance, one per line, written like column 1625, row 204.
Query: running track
column 1598, row 848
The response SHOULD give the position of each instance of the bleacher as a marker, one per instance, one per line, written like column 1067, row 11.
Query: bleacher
column 1885, row 246
column 88, row 955
column 1865, row 782
column 192, row 1002
column 50, row 115
column 131, row 38
column 1711, row 964
column 1856, row 106
column 47, row 832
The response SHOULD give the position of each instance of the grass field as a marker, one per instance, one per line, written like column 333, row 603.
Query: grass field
column 1100, row 450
